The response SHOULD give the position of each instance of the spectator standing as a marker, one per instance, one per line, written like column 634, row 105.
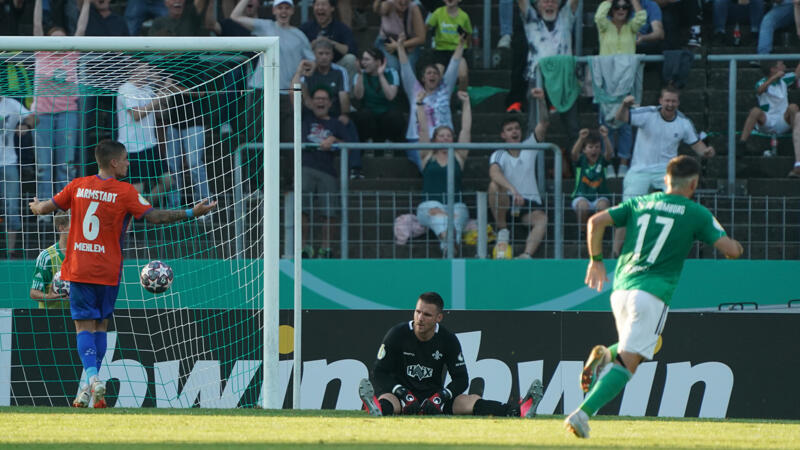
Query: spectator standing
column 137, row 106
column 661, row 129
column 783, row 14
column 774, row 114
column 505, row 19
column 182, row 19
column 319, row 172
column 548, row 29
column 450, row 24
column 103, row 22
column 617, row 35
column 184, row 125
column 294, row 48
column 590, row 190
column 401, row 20
column 376, row 87
column 137, row 11
column 432, row 212
column 11, row 16
column 650, row 39
column 680, row 17
column 334, row 78
column 57, row 108
column 48, row 264
column 436, row 101
column 15, row 119
column 324, row 27
column 755, row 12
column 513, row 187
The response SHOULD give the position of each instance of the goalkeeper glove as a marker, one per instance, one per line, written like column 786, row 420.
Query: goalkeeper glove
column 407, row 400
column 434, row 404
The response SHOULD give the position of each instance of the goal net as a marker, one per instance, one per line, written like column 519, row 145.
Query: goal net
column 192, row 115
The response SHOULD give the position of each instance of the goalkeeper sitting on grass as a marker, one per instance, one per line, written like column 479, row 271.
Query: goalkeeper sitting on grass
column 101, row 208
column 409, row 372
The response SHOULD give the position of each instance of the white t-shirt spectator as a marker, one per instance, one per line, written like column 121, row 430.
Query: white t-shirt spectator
column 436, row 105
column 137, row 135
column 294, row 48
column 544, row 42
column 657, row 139
column 11, row 113
column 775, row 99
column 520, row 171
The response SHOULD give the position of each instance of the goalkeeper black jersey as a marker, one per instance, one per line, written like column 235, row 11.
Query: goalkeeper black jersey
column 420, row 366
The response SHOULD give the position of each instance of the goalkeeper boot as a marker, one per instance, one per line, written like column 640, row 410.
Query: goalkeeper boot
column 598, row 359
column 529, row 403
column 83, row 397
column 578, row 423
column 367, row 394
column 99, row 394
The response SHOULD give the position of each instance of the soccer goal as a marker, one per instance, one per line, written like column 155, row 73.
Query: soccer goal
column 199, row 117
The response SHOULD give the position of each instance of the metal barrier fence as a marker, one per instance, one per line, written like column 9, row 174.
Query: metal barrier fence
column 344, row 183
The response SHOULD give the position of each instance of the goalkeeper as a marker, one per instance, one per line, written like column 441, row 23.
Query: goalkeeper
column 101, row 208
column 48, row 264
column 409, row 372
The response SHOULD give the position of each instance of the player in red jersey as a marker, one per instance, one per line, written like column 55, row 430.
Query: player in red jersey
column 101, row 208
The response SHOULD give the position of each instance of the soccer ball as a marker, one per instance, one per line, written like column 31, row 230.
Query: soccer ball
column 156, row 277
column 60, row 287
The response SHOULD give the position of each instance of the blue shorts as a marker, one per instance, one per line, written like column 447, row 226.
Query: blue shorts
column 92, row 301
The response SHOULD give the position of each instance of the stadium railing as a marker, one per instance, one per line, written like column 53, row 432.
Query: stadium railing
column 344, row 184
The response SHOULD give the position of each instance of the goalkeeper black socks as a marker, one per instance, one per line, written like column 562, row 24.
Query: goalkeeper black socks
column 489, row 408
column 386, row 407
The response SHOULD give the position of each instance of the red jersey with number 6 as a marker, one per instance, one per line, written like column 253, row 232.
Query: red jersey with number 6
column 100, row 210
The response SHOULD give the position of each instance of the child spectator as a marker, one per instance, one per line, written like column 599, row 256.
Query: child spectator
column 401, row 20
column 590, row 190
column 15, row 119
column 449, row 24
column 436, row 101
column 48, row 263
column 376, row 87
column 774, row 114
column 319, row 172
column 432, row 212
column 513, row 190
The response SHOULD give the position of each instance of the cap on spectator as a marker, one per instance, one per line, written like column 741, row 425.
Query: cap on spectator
column 279, row 2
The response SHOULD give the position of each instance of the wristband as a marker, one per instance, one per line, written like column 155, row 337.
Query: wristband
column 420, row 104
column 189, row 213
column 597, row 257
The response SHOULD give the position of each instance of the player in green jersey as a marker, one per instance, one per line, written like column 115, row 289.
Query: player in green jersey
column 661, row 230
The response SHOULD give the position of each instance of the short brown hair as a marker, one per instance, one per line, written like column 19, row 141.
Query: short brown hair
column 61, row 220
column 592, row 138
column 682, row 168
column 107, row 150
column 432, row 298
column 670, row 88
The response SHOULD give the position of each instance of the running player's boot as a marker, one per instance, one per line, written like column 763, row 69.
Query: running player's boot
column 367, row 394
column 98, row 394
column 578, row 423
column 598, row 358
column 529, row 403
column 83, row 397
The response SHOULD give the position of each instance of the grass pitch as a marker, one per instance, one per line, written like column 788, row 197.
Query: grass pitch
column 153, row 428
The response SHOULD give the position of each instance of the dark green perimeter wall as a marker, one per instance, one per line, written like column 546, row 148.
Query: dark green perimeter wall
column 395, row 284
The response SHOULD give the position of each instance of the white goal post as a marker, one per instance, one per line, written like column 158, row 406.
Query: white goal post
column 268, row 48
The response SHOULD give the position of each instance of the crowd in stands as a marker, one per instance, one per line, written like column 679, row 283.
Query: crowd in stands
column 408, row 87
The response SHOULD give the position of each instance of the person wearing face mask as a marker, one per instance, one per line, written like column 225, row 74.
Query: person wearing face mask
column 323, row 26
column 376, row 86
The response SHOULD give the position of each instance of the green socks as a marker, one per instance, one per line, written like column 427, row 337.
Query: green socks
column 606, row 388
column 613, row 350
